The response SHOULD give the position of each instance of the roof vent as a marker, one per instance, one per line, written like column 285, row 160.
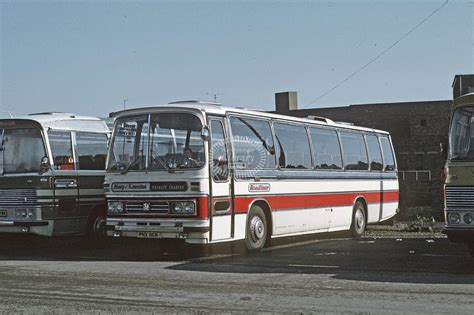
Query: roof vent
column 344, row 123
column 194, row 102
column 54, row 114
column 323, row 119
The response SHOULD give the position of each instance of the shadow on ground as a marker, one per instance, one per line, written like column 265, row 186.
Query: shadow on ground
column 408, row 260
column 33, row 247
column 415, row 260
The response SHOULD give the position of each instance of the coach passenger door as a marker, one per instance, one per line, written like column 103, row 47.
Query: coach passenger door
column 221, row 212
column 375, row 208
column 66, row 185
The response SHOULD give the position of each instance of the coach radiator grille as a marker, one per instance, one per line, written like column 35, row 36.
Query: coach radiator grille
column 18, row 198
column 460, row 197
column 155, row 207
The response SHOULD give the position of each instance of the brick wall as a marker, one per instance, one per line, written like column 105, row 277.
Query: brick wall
column 417, row 129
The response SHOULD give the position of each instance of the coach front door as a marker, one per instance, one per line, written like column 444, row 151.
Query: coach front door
column 66, row 183
column 222, row 216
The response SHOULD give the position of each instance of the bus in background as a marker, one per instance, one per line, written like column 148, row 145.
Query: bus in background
column 205, row 174
column 459, row 171
column 52, row 167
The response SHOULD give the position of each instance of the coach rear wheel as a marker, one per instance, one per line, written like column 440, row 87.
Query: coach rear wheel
column 358, row 220
column 256, row 234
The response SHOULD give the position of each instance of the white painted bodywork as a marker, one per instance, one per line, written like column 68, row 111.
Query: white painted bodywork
column 285, row 222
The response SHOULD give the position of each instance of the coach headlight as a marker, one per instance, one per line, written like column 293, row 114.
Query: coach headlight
column 189, row 207
column 454, row 218
column 30, row 213
column 176, row 207
column 115, row 206
column 21, row 213
column 182, row 207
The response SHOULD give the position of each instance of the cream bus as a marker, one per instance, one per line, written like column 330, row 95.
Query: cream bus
column 459, row 184
column 52, row 167
column 205, row 174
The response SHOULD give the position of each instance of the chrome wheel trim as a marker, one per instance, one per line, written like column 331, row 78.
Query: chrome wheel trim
column 257, row 229
column 359, row 221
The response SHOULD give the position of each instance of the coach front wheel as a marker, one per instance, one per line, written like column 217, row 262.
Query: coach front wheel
column 256, row 232
column 96, row 227
column 358, row 220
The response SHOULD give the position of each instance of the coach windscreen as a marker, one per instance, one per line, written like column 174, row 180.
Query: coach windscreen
column 157, row 142
column 21, row 150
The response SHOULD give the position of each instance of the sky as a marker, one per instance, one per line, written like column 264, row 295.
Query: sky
column 87, row 57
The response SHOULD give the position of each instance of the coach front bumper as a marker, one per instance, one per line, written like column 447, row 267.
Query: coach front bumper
column 40, row 227
column 193, row 231
column 459, row 234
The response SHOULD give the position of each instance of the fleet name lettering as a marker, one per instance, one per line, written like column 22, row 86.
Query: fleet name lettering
column 131, row 187
column 259, row 187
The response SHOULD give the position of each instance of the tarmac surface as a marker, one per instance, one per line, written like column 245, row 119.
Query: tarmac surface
column 380, row 273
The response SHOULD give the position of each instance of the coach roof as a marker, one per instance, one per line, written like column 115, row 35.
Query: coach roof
column 60, row 121
column 218, row 109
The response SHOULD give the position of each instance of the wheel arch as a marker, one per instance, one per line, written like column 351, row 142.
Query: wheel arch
column 364, row 203
column 96, row 210
column 100, row 208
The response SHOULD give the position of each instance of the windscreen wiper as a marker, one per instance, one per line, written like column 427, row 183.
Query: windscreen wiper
column 134, row 161
column 162, row 162
column 2, row 168
column 2, row 150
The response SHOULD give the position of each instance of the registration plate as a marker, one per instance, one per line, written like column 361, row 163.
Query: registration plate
column 149, row 235
column 3, row 213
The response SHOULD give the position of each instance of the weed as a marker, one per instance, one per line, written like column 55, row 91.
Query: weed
column 421, row 224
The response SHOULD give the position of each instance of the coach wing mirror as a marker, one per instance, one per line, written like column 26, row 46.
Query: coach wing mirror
column 443, row 150
column 205, row 133
column 44, row 165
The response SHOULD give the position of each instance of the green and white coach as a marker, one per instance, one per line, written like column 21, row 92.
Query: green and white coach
column 52, row 168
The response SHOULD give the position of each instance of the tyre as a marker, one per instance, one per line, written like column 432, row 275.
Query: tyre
column 96, row 227
column 257, row 229
column 359, row 220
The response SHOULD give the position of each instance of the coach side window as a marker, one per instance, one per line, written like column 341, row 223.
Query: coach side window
column 327, row 152
column 91, row 150
column 375, row 153
column 388, row 158
column 355, row 152
column 61, row 147
column 253, row 143
column 219, row 159
column 295, row 152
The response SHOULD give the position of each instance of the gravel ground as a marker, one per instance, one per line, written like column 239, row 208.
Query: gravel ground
column 371, row 275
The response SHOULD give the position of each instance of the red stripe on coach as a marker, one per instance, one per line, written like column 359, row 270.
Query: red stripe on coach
column 314, row 201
